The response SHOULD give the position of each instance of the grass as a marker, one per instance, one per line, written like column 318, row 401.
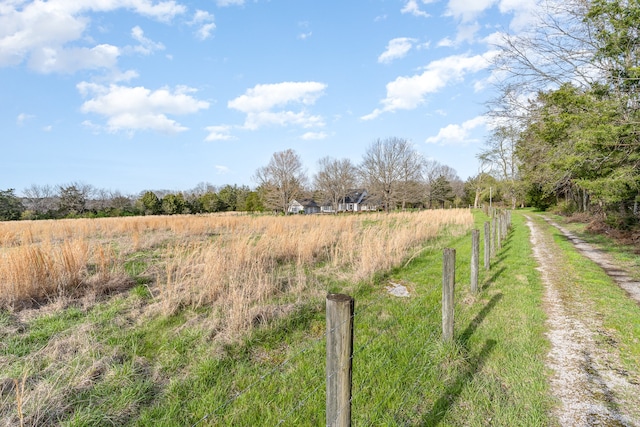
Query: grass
column 403, row 374
column 626, row 254
column 591, row 287
column 119, row 361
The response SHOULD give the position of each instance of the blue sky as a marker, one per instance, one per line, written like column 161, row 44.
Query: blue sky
column 132, row 95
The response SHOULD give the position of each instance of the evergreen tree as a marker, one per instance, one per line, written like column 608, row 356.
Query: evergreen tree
column 10, row 205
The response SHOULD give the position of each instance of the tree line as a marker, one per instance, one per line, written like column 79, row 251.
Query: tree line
column 391, row 170
column 75, row 200
column 566, row 121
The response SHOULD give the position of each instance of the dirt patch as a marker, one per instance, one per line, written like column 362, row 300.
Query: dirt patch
column 587, row 377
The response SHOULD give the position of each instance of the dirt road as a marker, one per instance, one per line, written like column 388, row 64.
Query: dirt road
column 587, row 377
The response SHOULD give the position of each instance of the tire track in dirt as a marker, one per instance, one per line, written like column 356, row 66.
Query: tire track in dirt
column 620, row 276
column 586, row 377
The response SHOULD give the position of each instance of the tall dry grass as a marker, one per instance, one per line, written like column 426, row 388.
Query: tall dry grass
column 255, row 261
column 237, row 264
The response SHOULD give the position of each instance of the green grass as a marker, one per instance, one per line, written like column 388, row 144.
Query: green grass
column 167, row 371
column 627, row 254
column 620, row 315
column 402, row 373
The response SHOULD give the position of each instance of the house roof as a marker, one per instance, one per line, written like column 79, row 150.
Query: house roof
column 307, row 203
column 355, row 195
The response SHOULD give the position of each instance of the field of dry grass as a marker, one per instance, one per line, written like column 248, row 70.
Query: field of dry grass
column 234, row 263
column 88, row 306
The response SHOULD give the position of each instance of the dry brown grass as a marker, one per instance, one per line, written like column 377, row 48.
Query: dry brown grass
column 231, row 262
column 246, row 270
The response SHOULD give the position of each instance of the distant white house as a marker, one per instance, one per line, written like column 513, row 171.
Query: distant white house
column 307, row 206
column 355, row 201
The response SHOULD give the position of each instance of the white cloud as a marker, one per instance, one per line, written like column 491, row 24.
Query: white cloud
column 146, row 46
column 47, row 128
column 457, row 134
column 119, row 76
column 204, row 21
column 204, row 32
column 261, row 119
column 259, row 102
column 22, row 118
column 219, row 133
column 222, row 170
column 306, row 32
column 407, row 93
column 396, row 48
column 466, row 33
column 412, row 7
column 446, row 42
column 70, row 60
column 137, row 108
column 40, row 32
column 523, row 13
column 266, row 96
column 466, row 10
column 224, row 3
column 308, row 136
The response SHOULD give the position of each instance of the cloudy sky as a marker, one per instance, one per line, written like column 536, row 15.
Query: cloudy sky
column 144, row 94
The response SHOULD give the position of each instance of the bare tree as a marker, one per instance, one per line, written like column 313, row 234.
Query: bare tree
column 203, row 188
column 282, row 180
column 39, row 199
column 335, row 178
column 73, row 197
column 500, row 156
column 387, row 167
column 430, row 172
column 433, row 175
column 557, row 47
column 410, row 173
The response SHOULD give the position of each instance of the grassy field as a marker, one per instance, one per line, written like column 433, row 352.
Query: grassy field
column 150, row 356
column 102, row 317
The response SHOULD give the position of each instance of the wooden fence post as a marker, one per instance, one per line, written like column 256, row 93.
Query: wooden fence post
column 448, row 288
column 499, row 219
column 494, row 236
column 339, row 357
column 487, row 245
column 475, row 259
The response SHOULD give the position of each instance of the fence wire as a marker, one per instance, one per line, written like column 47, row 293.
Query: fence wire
column 364, row 384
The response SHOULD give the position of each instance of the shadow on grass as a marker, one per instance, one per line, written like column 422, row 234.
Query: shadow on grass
column 488, row 282
column 466, row 334
column 448, row 398
column 453, row 391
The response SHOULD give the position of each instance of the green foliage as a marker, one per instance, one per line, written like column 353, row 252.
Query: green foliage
column 11, row 207
column 576, row 141
column 535, row 196
column 441, row 191
column 173, row 204
column 228, row 196
column 151, row 205
column 253, row 203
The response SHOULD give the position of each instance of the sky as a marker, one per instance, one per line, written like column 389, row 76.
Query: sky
column 134, row 95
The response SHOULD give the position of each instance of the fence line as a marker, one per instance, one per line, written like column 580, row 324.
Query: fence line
column 340, row 331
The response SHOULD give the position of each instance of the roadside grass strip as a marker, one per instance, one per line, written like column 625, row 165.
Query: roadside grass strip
column 595, row 290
